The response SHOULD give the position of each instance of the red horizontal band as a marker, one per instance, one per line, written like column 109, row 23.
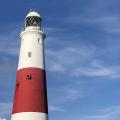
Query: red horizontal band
column 30, row 92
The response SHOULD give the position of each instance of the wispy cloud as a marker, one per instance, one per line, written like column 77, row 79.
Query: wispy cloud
column 73, row 94
column 68, row 57
column 66, row 93
column 9, row 50
column 5, row 110
column 94, row 16
column 80, row 62
column 2, row 118
column 53, row 108
column 103, row 23
column 96, row 72
column 110, row 113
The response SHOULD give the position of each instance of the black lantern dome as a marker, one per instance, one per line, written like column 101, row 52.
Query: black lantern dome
column 33, row 19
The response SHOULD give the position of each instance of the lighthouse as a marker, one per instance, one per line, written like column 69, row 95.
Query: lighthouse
column 30, row 98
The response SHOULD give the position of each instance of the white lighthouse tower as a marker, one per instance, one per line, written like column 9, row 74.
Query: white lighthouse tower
column 30, row 99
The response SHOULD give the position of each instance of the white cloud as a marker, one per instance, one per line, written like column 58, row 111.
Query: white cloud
column 2, row 118
column 73, row 94
column 5, row 110
column 108, row 24
column 67, row 58
column 95, row 15
column 9, row 50
column 53, row 108
column 104, row 23
column 110, row 113
column 67, row 92
column 9, row 43
column 94, row 72
column 80, row 62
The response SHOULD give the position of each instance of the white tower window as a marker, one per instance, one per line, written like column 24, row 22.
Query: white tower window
column 29, row 77
column 39, row 40
column 29, row 54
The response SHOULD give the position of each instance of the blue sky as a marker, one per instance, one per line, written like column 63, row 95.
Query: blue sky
column 82, row 56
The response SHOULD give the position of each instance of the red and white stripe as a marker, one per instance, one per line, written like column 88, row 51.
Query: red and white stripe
column 30, row 99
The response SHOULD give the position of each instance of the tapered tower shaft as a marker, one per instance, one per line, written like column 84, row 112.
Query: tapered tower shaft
column 30, row 99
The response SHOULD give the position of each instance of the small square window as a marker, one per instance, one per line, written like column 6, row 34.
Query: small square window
column 29, row 54
column 39, row 40
column 29, row 77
